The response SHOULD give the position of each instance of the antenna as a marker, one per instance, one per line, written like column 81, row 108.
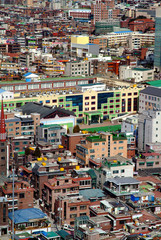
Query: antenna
column 13, row 183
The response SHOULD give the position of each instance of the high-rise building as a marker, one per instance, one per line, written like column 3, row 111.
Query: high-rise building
column 103, row 9
column 157, row 49
column 149, row 128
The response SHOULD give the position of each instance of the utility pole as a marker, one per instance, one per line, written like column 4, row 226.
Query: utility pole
column 13, row 183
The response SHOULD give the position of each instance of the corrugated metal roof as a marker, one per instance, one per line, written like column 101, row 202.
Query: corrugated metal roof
column 24, row 215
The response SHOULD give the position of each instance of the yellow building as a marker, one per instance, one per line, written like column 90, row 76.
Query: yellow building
column 80, row 39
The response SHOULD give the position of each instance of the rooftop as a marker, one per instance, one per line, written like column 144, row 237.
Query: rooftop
column 123, row 180
column 27, row 215
column 95, row 139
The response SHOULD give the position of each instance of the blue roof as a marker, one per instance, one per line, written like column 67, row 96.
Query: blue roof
column 123, row 31
column 24, row 215
column 27, row 74
column 91, row 44
column 2, row 90
column 92, row 193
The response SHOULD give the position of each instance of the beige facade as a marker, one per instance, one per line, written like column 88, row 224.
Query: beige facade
column 102, row 146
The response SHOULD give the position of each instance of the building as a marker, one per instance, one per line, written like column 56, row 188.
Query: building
column 150, row 99
column 41, row 174
column 102, row 146
column 141, row 24
column 148, row 160
column 122, row 187
column 84, row 50
column 50, row 115
column 89, row 105
column 48, row 84
column 50, row 133
column 68, row 208
column 136, row 74
column 149, row 128
column 4, row 146
column 69, row 141
column 76, row 68
column 103, row 10
column 112, row 167
column 23, row 194
column 30, row 220
column 55, row 187
column 82, row 15
column 3, row 216
column 157, row 52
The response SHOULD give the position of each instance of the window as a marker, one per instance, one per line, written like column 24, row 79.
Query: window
column 83, row 207
column 157, row 163
column 86, row 98
column 120, row 141
column 103, row 149
column 115, row 171
column 47, row 101
column 2, row 150
column 121, row 148
column 54, row 101
column 21, row 195
column 73, row 215
column 92, row 156
column 93, row 108
column 96, row 144
column 122, row 170
column 73, row 208
column 92, row 150
column 141, row 163
column 93, row 97
column 86, row 103
column 61, row 100
column 93, row 103
column 117, row 95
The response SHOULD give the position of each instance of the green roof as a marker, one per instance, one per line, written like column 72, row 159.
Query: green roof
column 112, row 128
column 63, row 234
column 95, row 139
column 52, row 126
column 141, row 69
column 49, row 79
column 119, row 136
column 50, row 234
column 156, row 83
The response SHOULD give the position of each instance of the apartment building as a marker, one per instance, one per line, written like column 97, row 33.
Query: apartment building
column 41, row 172
column 149, row 128
column 116, row 166
column 69, row 141
column 68, row 208
column 21, row 125
column 148, row 160
column 55, row 187
column 23, row 194
column 103, row 10
column 102, row 146
column 3, row 216
column 76, row 68
column 50, row 133
column 122, row 187
column 150, row 99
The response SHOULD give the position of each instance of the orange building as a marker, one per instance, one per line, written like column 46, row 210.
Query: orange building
column 101, row 146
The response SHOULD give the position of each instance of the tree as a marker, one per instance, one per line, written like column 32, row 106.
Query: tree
column 76, row 129
column 27, row 151
column 37, row 152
